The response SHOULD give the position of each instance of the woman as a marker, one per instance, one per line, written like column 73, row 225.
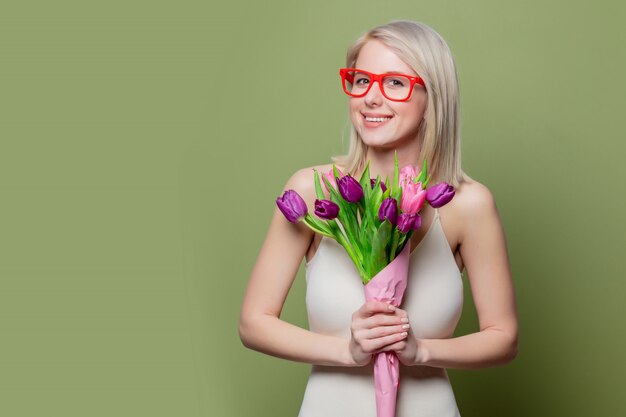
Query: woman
column 414, row 112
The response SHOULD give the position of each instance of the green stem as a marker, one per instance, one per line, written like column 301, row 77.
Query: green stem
column 316, row 227
column 405, row 238
column 394, row 244
column 344, row 242
column 339, row 236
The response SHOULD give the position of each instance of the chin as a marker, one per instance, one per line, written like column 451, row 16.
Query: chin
column 383, row 143
column 376, row 138
column 386, row 141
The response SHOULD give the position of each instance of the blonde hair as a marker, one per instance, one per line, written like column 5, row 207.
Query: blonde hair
column 426, row 52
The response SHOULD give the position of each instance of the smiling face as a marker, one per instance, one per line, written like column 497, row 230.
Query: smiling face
column 381, row 122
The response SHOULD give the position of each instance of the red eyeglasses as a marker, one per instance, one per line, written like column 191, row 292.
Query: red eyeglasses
column 394, row 86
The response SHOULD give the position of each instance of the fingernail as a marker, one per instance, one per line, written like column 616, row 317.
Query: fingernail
column 391, row 307
column 405, row 326
column 403, row 334
column 404, row 320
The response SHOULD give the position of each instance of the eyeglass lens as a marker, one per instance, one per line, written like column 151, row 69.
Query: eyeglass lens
column 396, row 87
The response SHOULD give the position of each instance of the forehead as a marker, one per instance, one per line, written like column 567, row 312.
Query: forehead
column 378, row 58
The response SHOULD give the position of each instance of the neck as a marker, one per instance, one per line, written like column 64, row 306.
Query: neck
column 381, row 159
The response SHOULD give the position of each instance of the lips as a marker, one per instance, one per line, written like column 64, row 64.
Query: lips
column 372, row 116
column 375, row 119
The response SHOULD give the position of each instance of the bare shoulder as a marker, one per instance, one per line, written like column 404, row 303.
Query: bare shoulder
column 303, row 181
column 473, row 197
column 473, row 207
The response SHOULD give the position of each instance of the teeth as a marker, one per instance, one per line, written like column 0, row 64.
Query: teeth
column 377, row 119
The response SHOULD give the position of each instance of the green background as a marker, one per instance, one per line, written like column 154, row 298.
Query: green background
column 142, row 146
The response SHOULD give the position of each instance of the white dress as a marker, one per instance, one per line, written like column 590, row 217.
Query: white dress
column 433, row 301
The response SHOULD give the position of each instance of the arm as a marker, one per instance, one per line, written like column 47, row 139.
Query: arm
column 260, row 326
column 375, row 326
column 484, row 252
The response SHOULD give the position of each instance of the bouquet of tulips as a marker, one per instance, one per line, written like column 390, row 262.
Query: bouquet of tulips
column 373, row 221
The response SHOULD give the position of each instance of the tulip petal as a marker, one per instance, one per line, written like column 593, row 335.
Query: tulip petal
column 439, row 195
column 326, row 209
column 388, row 210
column 318, row 186
column 350, row 189
column 406, row 222
column 292, row 206
column 417, row 222
column 422, row 175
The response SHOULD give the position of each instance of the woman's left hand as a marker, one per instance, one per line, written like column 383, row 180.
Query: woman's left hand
column 406, row 349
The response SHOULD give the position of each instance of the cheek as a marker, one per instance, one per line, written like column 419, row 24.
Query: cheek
column 421, row 106
column 416, row 111
column 354, row 111
column 353, row 105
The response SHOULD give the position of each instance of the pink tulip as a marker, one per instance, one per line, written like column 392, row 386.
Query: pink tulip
column 330, row 176
column 413, row 197
column 408, row 172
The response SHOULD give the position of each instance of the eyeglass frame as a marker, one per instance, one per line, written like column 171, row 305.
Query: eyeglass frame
column 343, row 72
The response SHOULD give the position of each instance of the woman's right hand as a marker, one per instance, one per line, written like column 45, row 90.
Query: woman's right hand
column 375, row 326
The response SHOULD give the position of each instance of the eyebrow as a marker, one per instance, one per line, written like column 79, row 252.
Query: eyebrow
column 390, row 72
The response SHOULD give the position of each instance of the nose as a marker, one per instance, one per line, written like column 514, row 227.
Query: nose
column 374, row 96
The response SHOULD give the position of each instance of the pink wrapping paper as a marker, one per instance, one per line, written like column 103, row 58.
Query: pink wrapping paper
column 388, row 285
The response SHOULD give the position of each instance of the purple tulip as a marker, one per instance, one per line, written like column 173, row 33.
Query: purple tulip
column 388, row 210
column 408, row 221
column 383, row 187
column 326, row 209
column 350, row 189
column 292, row 205
column 439, row 195
column 417, row 223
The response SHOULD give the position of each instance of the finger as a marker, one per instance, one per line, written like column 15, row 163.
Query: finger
column 382, row 320
column 371, row 346
column 382, row 331
column 400, row 312
column 370, row 308
column 394, row 346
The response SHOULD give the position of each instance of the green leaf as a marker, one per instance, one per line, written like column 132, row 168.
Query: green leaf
column 365, row 177
column 395, row 169
column 366, row 231
column 380, row 241
column 395, row 235
column 376, row 198
column 367, row 188
column 424, row 184
column 396, row 193
column 422, row 175
column 318, row 186
column 402, row 239
column 318, row 226
column 336, row 230
column 347, row 218
column 367, row 251
column 373, row 207
column 378, row 181
column 336, row 172
column 343, row 241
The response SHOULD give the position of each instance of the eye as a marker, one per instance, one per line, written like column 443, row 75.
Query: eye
column 396, row 82
column 361, row 80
